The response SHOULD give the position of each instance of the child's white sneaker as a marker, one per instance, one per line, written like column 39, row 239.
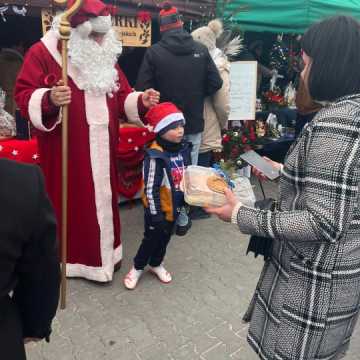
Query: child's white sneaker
column 163, row 275
column 132, row 278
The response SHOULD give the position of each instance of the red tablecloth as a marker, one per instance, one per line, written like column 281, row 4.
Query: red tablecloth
column 130, row 157
column 130, row 154
column 25, row 151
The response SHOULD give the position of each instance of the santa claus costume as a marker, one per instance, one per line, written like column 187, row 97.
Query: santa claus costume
column 100, row 96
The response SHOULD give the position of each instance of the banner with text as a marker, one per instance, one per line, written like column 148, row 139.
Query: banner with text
column 131, row 30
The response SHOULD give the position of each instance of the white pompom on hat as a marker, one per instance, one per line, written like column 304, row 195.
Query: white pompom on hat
column 207, row 35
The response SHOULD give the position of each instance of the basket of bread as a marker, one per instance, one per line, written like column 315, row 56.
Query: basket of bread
column 204, row 187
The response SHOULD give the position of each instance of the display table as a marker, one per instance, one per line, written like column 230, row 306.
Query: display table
column 130, row 155
column 25, row 151
column 276, row 149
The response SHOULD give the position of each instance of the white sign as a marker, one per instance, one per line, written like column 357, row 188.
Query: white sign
column 243, row 84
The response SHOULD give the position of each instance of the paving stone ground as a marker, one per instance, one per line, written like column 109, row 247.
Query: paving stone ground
column 196, row 317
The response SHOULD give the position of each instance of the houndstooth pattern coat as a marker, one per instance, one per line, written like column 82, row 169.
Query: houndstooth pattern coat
column 307, row 299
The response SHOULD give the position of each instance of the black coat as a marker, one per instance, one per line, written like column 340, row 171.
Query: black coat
column 184, row 73
column 29, row 263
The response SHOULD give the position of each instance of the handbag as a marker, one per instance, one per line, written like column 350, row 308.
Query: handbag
column 260, row 245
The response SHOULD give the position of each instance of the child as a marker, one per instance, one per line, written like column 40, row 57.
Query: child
column 164, row 166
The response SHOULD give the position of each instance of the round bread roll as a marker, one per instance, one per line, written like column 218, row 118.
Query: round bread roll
column 217, row 184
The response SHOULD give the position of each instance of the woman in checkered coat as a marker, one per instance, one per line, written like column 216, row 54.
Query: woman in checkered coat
column 307, row 299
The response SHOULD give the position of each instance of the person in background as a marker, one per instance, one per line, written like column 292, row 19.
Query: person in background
column 11, row 60
column 164, row 166
column 30, row 269
column 255, row 53
column 306, row 304
column 217, row 106
column 185, row 74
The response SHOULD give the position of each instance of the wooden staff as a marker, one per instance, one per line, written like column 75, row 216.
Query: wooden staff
column 65, row 30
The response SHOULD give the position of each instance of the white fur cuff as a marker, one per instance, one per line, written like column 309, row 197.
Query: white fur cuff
column 35, row 110
column 131, row 108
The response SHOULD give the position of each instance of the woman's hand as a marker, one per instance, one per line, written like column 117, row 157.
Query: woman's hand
column 274, row 164
column 224, row 212
column 60, row 95
column 150, row 98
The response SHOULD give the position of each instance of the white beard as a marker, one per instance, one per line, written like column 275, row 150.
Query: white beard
column 95, row 63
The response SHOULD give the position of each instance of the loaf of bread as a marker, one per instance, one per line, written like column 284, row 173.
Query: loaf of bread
column 203, row 187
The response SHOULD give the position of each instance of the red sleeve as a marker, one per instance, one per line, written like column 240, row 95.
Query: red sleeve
column 30, row 79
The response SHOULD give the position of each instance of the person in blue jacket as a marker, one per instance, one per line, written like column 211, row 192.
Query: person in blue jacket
column 164, row 166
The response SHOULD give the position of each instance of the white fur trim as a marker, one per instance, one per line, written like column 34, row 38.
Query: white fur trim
column 167, row 120
column 97, row 112
column 101, row 24
column 51, row 41
column 131, row 108
column 97, row 116
column 101, row 274
column 85, row 29
column 35, row 110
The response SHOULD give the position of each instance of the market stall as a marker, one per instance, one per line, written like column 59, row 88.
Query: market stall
column 136, row 25
column 272, row 33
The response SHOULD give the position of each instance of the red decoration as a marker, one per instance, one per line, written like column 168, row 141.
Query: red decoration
column 273, row 97
column 144, row 16
column 50, row 80
column 252, row 135
column 25, row 151
column 131, row 155
column 225, row 139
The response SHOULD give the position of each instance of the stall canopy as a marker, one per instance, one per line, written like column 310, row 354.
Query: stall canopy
column 290, row 16
column 190, row 9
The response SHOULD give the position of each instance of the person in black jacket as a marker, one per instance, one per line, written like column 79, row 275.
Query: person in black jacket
column 184, row 73
column 29, row 263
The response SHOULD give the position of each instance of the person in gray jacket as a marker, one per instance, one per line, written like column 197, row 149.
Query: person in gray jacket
column 307, row 301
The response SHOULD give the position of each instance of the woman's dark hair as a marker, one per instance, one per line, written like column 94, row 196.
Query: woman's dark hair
column 334, row 48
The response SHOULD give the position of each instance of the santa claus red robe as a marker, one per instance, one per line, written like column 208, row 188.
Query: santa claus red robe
column 94, row 245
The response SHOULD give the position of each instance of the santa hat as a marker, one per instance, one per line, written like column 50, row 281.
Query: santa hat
column 169, row 18
column 164, row 116
column 207, row 35
column 93, row 16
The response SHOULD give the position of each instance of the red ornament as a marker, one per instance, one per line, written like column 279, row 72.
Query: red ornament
column 50, row 80
column 244, row 139
column 144, row 16
column 252, row 136
column 225, row 139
